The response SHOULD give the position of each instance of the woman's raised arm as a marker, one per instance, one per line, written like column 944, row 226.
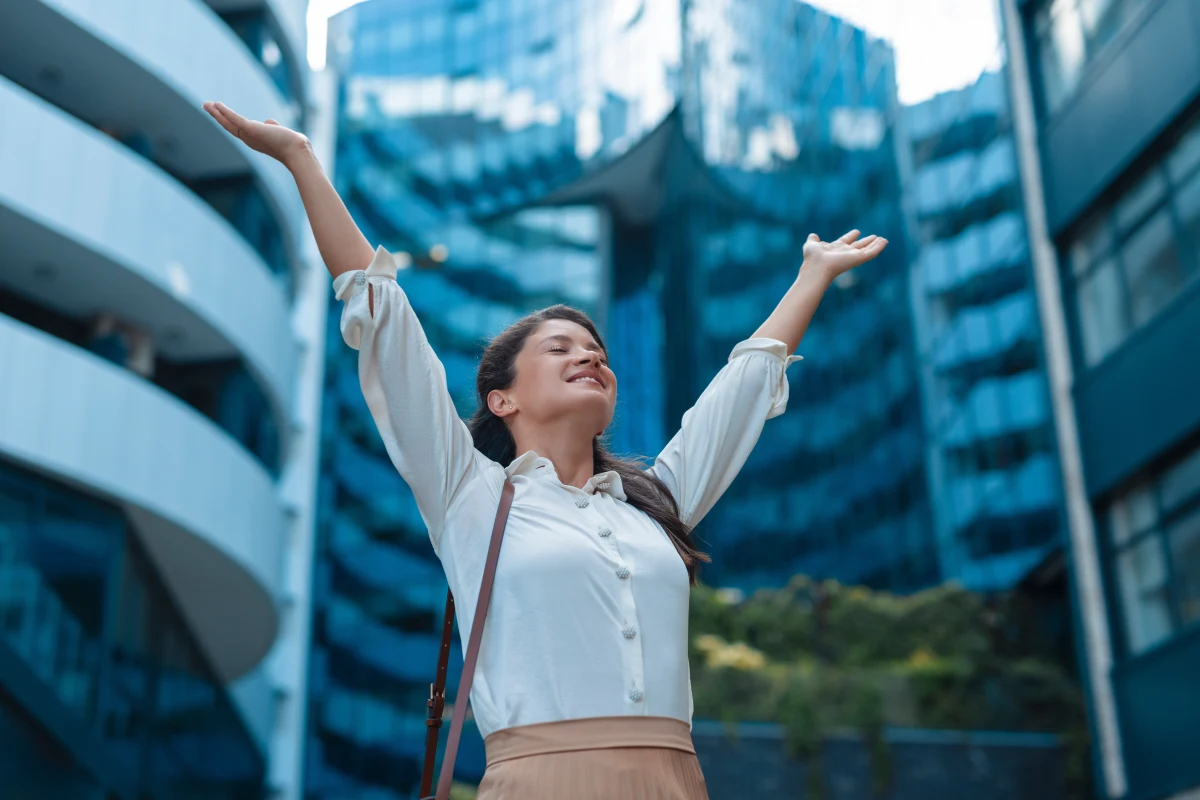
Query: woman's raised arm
column 721, row 429
column 402, row 379
column 343, row 246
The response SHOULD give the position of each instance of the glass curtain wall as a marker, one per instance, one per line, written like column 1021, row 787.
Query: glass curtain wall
column 792, row 112
column 85, row 616
column 991, row 439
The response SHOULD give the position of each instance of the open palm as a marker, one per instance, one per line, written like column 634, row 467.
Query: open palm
column 269, row 138
column 842, row 254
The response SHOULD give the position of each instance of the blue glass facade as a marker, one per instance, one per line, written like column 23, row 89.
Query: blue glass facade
column 991, row 441
column 657, row 164
column 792, row 113
column 104, row 691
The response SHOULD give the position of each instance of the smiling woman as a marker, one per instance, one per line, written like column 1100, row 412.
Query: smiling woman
column 598, row 556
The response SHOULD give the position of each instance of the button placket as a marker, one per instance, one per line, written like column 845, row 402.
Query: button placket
column 631, row 650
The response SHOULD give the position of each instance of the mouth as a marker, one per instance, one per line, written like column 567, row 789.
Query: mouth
column 587, row 378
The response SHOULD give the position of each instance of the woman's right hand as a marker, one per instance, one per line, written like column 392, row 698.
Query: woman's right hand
column 270, row 138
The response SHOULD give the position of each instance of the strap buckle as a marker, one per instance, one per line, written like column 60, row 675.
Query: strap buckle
column 436, row 704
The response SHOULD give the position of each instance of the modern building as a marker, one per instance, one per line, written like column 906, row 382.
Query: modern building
column 992, row 458
column 659, row 165
column 159, row 361
column 1107, row 111
column 792, row 113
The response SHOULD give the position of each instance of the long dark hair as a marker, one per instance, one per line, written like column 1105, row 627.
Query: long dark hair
column 643, row 491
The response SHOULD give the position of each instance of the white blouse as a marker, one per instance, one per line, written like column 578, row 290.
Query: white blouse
column 589, row 614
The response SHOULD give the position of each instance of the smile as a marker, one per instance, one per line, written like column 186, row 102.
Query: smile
column 586, row 378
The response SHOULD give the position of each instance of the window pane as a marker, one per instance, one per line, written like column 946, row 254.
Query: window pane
column 1138, row 201
column 1187, row 202
column 1102, row 19
column 1152, row 268
column 18, row 595
column 1094, row 241
column 1102, row 315
column 1062, row 51
column 1186, row 155
column 1185, row 561
column 1142, row 574
column 1133, row 513
column 74, row 548
column 1182, row 480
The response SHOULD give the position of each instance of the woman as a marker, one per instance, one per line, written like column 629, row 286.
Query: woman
column 582, row 687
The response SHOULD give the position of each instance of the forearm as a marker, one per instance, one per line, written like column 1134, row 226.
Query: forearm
column 342, row 245
column 791, row 317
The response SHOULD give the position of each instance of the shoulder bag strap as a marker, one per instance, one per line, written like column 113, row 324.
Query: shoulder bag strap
column 438, row 693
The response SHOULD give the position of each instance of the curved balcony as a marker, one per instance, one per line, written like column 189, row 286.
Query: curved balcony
column 288, row 15
column 274, row 32
column 88, row 226
column 146, row 68
column 207, row 513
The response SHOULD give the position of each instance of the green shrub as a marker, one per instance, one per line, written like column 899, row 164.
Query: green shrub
column 817, row 658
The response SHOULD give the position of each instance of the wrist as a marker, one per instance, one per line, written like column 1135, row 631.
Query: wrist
column 815, row 272
column 299, row 154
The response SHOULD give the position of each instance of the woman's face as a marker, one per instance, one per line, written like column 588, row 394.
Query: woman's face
column 563, row 371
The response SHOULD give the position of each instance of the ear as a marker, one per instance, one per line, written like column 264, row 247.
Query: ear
column 500, row 405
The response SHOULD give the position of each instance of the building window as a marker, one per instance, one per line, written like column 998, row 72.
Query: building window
column 1138, row 252
column 1069, row 35
column 83, row 607
column 1155, row 538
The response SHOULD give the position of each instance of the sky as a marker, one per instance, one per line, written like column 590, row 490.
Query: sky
column 940, row 44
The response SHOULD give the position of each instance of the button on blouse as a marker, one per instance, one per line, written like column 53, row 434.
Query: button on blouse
column 564, row 638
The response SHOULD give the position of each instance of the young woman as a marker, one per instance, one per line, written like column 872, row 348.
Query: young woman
column 582, row 687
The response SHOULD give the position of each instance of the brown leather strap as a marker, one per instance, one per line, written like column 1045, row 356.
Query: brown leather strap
column 437, row 698
column 472, row 655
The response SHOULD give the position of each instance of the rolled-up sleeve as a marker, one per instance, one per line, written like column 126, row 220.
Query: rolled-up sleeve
column 721, row 429
column 404, row 384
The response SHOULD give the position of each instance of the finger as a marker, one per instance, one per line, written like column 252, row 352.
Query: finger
column 271, row 122
column 231, row 115
column 812, row 237
column 849, row 236
column 876, row 247
column 216, row 114
column 222, row 118
column 865, row 241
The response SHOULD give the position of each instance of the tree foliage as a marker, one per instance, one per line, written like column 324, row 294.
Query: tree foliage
column 822, row 657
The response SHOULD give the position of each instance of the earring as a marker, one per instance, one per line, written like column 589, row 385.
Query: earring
column 510, row 405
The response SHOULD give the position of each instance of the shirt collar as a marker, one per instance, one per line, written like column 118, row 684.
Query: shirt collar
column 530, row 464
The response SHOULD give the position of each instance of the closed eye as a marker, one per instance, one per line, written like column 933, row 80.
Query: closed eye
column 560, row 349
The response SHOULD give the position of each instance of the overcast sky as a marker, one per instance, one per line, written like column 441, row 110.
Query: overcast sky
column 940, row 44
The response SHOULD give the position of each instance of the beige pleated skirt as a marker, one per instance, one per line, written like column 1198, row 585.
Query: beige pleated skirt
column 631, row 758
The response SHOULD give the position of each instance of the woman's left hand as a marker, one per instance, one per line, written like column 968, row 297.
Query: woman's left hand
column 841, row 255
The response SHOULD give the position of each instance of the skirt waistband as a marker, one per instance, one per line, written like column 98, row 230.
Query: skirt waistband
column 592, row 733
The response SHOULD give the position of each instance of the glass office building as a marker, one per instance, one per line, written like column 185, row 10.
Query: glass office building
column 152, row 440
column 991, row 441
column 1114, row 90
column 791, row 112
column 657, row 164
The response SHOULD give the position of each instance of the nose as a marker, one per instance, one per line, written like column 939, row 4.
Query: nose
column 588, row 357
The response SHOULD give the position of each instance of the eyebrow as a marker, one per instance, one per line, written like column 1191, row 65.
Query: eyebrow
column 562, row 337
